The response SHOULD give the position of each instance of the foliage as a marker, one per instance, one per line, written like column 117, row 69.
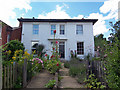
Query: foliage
column 37, row 64
column 39, row 50
column 12, row 46
column 59, row 78
column 93, row 83
column 111, row 57
column 66, row 64
column 99, row 43
column 54, row 64
column 50, row 84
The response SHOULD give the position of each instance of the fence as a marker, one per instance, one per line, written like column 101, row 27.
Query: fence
column 16, row 73
column 96, row 68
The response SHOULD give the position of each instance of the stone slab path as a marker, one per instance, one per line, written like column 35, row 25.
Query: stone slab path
column 68, row 81
column 40, row 80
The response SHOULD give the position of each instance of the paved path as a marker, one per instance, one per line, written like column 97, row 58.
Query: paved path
column 40, row 80
column 68, row 81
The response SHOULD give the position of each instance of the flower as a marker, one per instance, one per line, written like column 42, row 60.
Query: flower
column 13, row 58
column 110, row 52
column 33, row 59
column 37, row 58
column 41, row 61
column 105, row 55
column 52, row 56
column 11, row 62
column 56, row 42
column 53, row 48
column 38, row 62
column 54, row 31
column 46, row 55
column 57, row 64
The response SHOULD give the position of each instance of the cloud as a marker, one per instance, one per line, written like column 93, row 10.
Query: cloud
column 55, row 14
column 110, row 7
column 99, row 27
column 7, row 7
column 60, row 13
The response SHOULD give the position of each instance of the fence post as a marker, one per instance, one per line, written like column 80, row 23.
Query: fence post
column 25, row 73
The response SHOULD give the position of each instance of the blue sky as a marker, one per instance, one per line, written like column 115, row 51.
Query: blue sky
column 75, row 10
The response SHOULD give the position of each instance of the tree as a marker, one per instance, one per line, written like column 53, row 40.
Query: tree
column 39, row 49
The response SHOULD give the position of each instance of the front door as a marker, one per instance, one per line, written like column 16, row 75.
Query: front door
column 62, row 49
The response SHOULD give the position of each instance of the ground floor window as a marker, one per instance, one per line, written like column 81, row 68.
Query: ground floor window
column 80, row 48
column 34, row 44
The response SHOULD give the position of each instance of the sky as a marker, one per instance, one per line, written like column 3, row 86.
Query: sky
column 104, row 10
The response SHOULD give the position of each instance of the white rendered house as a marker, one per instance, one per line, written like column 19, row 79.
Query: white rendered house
column 72, row 34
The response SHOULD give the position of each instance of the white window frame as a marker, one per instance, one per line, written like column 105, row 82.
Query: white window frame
column 62, row 30
column 78, row 32
column 81, row 49
column 52, row 30
column 34, row 30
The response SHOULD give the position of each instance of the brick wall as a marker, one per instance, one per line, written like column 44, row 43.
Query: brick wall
column 5, row 31
column 16, row 34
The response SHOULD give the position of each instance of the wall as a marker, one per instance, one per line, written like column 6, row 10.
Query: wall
column 70, row 36
column 16, row 34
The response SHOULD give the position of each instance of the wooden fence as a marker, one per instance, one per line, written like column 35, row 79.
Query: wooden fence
column 12, row 73
column 97, row 68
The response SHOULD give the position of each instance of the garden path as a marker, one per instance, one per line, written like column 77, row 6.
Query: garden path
column 68, row 81
column 40, row 80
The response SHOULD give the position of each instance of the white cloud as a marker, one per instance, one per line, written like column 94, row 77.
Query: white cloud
column 55, row 14
column 110, row 7
column 7, row 9
column 99, row 27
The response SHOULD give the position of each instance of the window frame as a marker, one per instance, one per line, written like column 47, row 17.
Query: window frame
column 80, row 50
column 36, row 30
column 62, row 30
column 79, row 32
column 52, row 30
column 33, row 44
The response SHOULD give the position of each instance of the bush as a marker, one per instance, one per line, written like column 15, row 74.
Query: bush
column 74, row 71
column 66, row 64
column 50, row 84
column 13, row 46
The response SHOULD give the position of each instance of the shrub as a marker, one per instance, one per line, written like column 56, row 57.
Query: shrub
column 50, row 84
column 74, row 71
column 66, row 64
column 93, row 83
column 12, row 46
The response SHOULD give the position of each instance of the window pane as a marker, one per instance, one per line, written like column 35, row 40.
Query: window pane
column 52, row 32
column 80, row 48
column 62, row 28
column 53, row 27
column 79, row 29
column 35, row 29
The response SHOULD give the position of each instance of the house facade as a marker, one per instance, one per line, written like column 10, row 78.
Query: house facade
column 72, row 35
column 8, row 33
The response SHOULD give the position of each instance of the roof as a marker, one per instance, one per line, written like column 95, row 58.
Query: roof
column 57, row 20
column 5, row 24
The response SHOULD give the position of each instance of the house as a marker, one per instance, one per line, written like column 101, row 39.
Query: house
column 72, row 35
column 8, row 33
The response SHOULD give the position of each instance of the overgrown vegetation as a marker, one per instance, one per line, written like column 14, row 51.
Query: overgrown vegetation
column 77, row 68
column 50, row 84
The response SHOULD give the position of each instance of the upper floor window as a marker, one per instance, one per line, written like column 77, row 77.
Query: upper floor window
column 79, row 29
column 62, row 29
column 53, row 27
column 35, row 28
column 80, row 48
